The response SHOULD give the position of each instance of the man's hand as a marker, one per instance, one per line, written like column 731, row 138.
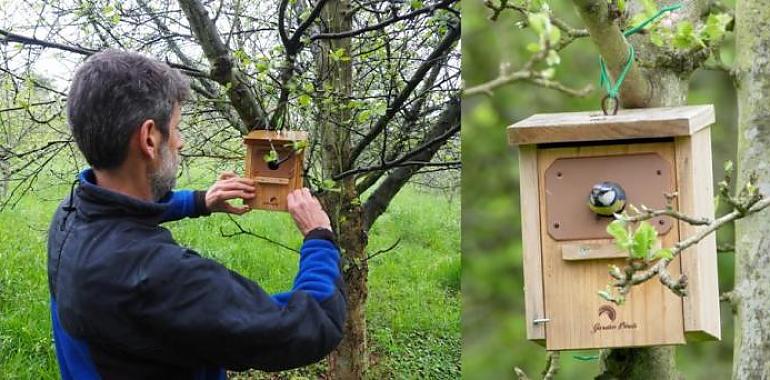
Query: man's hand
column 307, row 211
column 230, row 186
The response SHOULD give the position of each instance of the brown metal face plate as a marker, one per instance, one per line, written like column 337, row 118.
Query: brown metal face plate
column 568, row 181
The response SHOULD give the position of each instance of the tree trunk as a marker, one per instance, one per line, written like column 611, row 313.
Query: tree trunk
column 662, row 86
column 350, row 360
column 5, row 177
column 752, row 248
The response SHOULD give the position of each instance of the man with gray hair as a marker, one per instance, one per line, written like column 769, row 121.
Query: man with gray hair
column 127, row 301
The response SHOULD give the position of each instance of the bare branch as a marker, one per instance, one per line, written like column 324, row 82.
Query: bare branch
column 384, row 250
column 551, row 367
column 636, row 90
column 449, row 40
column 243, row 231
column 444, row 4
column 223, row 68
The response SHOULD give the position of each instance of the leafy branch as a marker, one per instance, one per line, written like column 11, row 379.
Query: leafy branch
column 550, row 371
column 645, row 261
column 553, row 35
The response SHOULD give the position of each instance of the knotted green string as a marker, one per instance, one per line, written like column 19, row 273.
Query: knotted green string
column 604, row 78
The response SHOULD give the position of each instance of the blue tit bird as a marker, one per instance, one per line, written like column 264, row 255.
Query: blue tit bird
column 607, row 198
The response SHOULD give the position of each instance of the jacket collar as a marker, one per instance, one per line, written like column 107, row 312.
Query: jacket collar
column 94, row 201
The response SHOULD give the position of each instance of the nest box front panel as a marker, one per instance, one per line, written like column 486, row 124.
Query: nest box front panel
column 273, row 183
column 576, row 251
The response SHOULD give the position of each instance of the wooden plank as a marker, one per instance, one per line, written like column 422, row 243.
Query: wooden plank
column 592, row 251
column 262, row 134
column 578, row 317
column 278, row 181
column 530, row 233
column 595, row 126
column 699, row 263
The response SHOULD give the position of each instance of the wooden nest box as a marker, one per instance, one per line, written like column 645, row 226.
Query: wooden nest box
column 566, row 249
column 275, row 164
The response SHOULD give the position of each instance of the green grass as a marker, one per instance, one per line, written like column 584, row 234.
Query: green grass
column 414, row 302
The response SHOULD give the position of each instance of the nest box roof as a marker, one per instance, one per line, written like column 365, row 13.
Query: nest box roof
column 262, row 135
column 627, row 124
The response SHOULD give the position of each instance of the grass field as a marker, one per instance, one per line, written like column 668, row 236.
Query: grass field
column 413, row 308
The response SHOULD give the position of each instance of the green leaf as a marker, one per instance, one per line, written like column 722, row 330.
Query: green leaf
column 261, row 66
column 329, row 185
column 304, row 100
column 533, row 47
column 554, row 35
column 637, row 19
column 645, row 238
column 242, row 56
column 271, row 156
column 685, row 37
column 729, row 166
column 664, row 253
column 539, row 22
column 657, row 37
column 416, row 4
column 363, row 116
column 338, row 55
column 649, row 7
column 553, row 58
column 716, row 26
column 299, row 145
column 617, row 229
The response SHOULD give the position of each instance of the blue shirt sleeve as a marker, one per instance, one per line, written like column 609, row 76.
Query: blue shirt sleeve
column 318, row 271
column 182, row 204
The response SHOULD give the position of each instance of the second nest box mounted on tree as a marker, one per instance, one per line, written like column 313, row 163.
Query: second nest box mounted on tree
column 274, row 162
column 647, row 153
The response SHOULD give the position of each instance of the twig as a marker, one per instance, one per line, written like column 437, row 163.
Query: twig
column 647, row 214
column 24, row 40
column 444, row 4
column 527, row 73
column 381, row 251
column 626, row 280
column 242, row 231
column 550, row 371
column 552, row 365
column 726, row 247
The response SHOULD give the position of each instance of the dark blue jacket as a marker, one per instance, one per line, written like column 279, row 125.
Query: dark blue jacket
column 128, row 302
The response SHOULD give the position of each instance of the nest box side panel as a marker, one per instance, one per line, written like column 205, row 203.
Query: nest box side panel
column 699, row 262
column 578, row 317
column 530, row 233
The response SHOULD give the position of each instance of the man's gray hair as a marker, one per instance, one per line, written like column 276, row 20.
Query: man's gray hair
column 112, row 94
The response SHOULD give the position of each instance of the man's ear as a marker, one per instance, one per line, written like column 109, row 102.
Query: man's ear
column 150, row 138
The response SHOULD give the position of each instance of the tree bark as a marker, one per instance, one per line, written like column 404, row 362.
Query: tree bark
column 662, row 86
column 752, row 248
column 350, row 359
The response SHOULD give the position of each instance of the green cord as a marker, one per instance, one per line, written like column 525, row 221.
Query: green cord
column 604, row 77
column 652, row 18
column 586, row 358
column 604, row 80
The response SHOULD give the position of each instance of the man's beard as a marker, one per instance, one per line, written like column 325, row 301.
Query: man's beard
column 163, row 180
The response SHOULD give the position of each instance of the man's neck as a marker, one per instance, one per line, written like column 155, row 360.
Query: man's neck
column 132, row 183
